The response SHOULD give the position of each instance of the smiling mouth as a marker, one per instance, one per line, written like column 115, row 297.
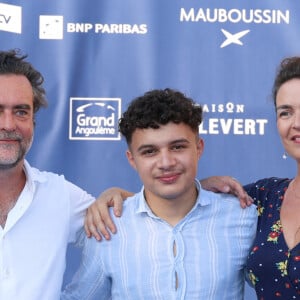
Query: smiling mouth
column 168, row 178
column 296, row 139
column 9, row 143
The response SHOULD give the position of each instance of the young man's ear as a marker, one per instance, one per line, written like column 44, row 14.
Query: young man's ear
column 200, row 147
column 130, row 159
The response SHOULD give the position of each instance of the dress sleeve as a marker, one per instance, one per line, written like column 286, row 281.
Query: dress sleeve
column 266, row 188
column 251, row 190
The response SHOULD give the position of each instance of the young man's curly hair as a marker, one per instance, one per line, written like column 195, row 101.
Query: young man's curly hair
column 159, row 107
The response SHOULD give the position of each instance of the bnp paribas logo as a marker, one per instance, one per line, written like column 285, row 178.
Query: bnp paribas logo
column 94, row 118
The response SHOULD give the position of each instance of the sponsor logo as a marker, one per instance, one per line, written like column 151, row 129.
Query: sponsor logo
column 234, row 16
column 51, row 27
column 10, row 18
column 228, row 119
column 100, row 28
column 233, row 38
column 221, row 15
column 94, row 118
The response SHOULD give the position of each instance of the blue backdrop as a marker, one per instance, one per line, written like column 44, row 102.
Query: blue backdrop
column 97, row 55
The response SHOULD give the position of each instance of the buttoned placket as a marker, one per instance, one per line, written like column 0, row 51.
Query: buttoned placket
column 14, row 215
column 178, row 267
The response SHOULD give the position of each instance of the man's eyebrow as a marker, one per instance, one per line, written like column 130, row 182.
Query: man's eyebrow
column 183, row 140
column 18, row 106
column 23, row 106
column 145, row 147
column 285, row 106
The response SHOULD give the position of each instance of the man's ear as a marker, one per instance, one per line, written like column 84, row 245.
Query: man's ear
column 200, row 147
column 130, row 159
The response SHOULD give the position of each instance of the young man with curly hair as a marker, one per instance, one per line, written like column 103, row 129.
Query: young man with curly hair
column 175, row 240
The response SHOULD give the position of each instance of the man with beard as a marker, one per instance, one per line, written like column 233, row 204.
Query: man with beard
column 35, row 228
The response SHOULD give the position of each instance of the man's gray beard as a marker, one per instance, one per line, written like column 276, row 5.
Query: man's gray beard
column 22, row 153
column 9, row 166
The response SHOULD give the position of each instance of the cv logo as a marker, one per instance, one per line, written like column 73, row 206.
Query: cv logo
column 233, row 38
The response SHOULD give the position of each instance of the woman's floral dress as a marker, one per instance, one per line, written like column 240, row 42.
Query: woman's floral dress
column 272, row 268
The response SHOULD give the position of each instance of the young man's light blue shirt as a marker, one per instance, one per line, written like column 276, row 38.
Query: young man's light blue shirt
column 140, row 262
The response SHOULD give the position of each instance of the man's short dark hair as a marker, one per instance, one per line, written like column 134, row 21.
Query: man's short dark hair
column 13, row 62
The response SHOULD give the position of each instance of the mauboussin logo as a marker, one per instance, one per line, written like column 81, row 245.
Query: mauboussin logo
column 94, row 118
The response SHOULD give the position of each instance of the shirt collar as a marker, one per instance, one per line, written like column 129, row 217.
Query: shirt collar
column 203, row 199
column 33, row 174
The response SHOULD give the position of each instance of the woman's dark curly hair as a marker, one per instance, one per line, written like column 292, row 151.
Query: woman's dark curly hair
column 289, row 68
column 159, row 107
column 13, row 62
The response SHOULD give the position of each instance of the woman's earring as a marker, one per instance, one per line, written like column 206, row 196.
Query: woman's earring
column 284, row 155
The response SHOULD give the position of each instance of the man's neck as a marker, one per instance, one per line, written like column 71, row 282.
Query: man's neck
column 12, row 182
column 172, row 210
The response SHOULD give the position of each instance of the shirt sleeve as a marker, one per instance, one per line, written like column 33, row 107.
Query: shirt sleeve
column 80, row 200
column 90, row 281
